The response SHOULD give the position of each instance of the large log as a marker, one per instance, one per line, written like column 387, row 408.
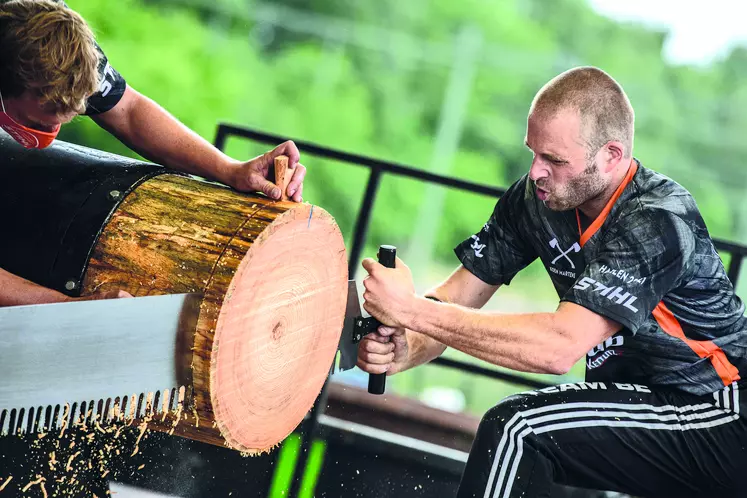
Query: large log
column 273, row 277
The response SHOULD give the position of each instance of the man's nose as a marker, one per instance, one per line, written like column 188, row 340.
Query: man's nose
column 538, row 171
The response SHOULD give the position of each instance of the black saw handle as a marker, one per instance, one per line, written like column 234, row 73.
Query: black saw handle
column 388, row 258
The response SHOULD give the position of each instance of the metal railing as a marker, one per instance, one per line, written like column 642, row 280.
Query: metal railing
column 378, row 168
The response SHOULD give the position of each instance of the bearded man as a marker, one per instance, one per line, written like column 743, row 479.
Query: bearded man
column 643, row 297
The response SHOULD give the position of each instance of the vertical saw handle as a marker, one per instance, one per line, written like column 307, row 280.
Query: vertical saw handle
column 388, row 258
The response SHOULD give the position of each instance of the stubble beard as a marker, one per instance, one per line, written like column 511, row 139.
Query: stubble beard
column 579, row 189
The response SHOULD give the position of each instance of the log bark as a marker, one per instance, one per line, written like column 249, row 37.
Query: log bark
column 273, row 276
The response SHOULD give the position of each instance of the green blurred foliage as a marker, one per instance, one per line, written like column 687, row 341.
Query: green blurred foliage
column 370, row 77
column 208, row 62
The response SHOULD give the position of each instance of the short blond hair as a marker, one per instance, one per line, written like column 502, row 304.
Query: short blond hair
column 605, row 110
column 49, row 49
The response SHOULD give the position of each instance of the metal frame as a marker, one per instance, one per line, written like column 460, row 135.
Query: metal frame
column 378, row 168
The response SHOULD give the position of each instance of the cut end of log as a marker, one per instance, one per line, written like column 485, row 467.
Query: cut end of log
column 278, row 329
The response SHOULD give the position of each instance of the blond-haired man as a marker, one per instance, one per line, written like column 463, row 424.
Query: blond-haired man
column 51, row 70
column 643, row 297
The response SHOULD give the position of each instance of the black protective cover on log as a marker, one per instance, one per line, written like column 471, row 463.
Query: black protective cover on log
column 55, row 203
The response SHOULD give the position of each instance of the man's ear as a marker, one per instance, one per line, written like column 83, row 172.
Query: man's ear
column 613, row 154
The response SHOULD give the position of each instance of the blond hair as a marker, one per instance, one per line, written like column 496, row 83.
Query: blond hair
column 49, row 49
column 604, row 108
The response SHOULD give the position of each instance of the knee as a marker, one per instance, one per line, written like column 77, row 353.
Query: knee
column 504, row 412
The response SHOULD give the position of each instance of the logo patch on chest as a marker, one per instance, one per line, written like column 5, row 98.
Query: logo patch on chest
column 564, row 253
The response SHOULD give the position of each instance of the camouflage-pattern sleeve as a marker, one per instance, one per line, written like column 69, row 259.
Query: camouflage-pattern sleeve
column 498, row 252
column 111, row 88
column 641, row 259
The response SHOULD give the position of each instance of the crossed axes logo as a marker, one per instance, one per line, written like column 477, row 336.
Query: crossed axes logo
column 564, row 254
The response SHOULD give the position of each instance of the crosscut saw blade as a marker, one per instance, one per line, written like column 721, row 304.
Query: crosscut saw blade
column 88, row 362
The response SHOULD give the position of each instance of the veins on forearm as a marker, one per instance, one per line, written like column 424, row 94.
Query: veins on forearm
column 529, row 343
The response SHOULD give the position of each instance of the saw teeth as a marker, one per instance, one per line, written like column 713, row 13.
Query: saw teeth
column 92, row 414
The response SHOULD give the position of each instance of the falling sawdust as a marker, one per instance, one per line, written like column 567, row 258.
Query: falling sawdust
column 39, row 480
column 197, row 418
column 69, row 466
column 5, row 482
column 68, row 462
column 143, row 427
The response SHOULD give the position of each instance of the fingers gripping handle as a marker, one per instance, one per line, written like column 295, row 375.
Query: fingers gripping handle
column 388, row 258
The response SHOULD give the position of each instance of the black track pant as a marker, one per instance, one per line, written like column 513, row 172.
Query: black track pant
column 607, row 436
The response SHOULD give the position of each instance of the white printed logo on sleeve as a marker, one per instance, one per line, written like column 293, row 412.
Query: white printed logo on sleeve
column 603, row 351
column 622, row 275
column 615, row 294
column 477, row 247
column 106, row 85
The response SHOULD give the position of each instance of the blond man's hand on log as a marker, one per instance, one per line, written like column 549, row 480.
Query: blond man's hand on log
column 110, row 294
column 254, row 175
column 16, row 291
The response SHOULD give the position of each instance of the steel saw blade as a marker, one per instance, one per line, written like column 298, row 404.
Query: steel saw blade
column 93, row 362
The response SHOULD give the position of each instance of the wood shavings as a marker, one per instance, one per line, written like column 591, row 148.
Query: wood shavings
column 39, row 480
column 178, row 415
column 65, row 416
column 142, row 466
column 5, row 483
column 52, row 461
column 69, row 467
column 197, row 417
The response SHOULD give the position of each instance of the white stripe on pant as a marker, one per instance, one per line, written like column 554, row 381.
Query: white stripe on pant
column 667, row 417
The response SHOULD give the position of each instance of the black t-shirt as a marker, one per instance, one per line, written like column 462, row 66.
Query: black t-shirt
column 647, row 262
column 111, row 88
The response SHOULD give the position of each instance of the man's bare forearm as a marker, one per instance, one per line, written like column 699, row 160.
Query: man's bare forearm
column 422, row 349
column 529, row 342
column 524, row 342
column 15, row 291
column 456, row 289
column 155, row 134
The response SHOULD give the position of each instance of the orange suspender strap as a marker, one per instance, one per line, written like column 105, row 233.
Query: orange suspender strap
column 597, row 223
